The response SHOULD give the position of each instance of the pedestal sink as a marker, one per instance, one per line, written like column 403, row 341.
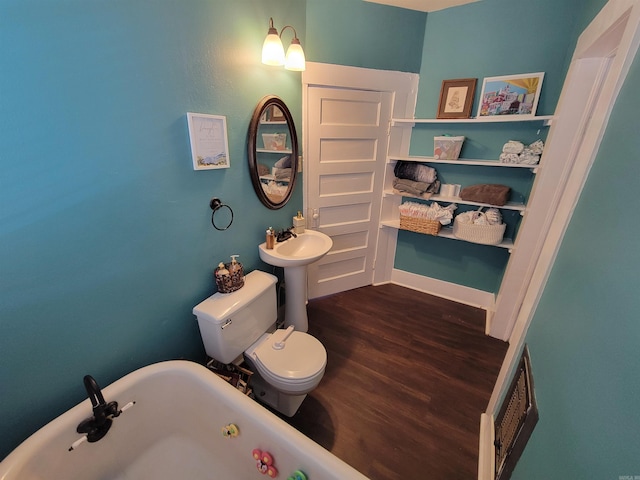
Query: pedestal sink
column 294, row 255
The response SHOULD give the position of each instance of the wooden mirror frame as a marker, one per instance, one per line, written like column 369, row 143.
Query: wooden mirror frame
column 263, row 105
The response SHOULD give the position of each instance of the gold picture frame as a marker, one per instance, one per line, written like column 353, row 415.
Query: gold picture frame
column 456, row 98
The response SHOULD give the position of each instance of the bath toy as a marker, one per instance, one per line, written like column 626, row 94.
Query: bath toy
column 230, row 430
column 265, row 463
column 297, row 475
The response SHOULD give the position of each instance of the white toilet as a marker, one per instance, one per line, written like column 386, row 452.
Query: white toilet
column 287, row 364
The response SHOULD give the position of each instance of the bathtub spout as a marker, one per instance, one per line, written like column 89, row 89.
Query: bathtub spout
column 99, row 424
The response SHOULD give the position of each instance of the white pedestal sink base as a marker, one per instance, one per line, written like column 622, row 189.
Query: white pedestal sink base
column 294, row 255
column 295, row 307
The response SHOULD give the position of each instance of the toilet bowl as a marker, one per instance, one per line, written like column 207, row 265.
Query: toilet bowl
column 296, row 368
column 234, row 326
column 284, row 376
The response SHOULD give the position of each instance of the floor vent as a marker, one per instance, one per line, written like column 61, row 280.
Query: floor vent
column 516, row 420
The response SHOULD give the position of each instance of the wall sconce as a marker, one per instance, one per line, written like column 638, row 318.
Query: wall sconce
column 273, row 51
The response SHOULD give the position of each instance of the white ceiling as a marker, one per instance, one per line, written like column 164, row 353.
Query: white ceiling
column 423, row 5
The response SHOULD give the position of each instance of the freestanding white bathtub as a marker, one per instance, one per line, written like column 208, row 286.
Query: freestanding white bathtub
column 174, row 430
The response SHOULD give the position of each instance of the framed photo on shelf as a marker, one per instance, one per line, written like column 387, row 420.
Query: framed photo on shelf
column 510, row 95
column 275, row 114
column 456, row 98
column 209, row 142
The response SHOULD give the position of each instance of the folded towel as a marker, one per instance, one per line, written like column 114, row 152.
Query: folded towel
column 409, row 186
column 477, row 217
column 509, row 158
column 483, row 193
column 262, row 169
column 434, row 187
column 494, row 217
column 515, row 152
column 282, row 173
column 513, row 146
column 284, row 162
column 415, row 171
column 536, row 147
column 433, row 211
column 528, row 157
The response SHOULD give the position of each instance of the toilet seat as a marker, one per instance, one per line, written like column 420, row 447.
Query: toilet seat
column 296, row 368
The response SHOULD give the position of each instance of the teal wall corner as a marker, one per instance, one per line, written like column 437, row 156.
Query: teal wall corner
column 584, row 335
column 478, row 40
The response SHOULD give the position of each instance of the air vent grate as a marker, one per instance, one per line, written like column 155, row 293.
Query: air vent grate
column 516, row 420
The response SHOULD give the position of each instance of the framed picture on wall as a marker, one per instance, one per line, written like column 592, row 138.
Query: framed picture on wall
column 456, row 98
column 209, row 142
column 510, row 95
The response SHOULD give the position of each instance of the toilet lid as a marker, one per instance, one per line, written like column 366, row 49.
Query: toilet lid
column 303, row 356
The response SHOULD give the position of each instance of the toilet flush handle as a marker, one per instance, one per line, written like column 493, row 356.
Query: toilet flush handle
column 280, row 345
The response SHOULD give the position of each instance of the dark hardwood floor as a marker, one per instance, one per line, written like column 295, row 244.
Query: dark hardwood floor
column 407, row 377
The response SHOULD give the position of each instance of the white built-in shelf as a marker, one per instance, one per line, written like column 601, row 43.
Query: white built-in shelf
column 489, row 119
column 461, row 161
column 266, row 150
column 447, row 232
column 279, row 122
column 520, row 207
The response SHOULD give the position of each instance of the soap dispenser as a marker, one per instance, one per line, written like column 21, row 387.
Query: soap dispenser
column 235, row 267
column 221, row 271
column 223, row 280
column 236, row 273
column 271, row 238
column 298, row 223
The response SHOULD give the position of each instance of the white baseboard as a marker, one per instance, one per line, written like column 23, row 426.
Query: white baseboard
column 486, row 455
column 440, row 288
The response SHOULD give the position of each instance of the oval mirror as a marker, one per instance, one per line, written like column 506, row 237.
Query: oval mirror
column 273, row 152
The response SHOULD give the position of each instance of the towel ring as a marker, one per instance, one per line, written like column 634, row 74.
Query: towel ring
column 216, row 205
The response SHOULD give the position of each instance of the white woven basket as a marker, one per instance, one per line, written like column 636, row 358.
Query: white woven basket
column 485, row 234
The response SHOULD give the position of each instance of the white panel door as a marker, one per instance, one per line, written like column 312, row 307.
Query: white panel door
column 347, row 149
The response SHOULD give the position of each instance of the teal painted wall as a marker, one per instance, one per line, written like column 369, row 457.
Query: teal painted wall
column 363, row 34
column 484, row 39
column 105, row 235
column 105, row 240
column 585, row 334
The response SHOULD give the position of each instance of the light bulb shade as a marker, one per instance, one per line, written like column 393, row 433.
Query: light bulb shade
column 295, row 56
column 272, row 49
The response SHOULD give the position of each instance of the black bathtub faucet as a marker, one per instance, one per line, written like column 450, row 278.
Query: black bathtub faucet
column 99, row 424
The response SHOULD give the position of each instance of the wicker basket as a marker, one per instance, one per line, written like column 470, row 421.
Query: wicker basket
column 231, row 282
column 420, row 225
column 484, row 234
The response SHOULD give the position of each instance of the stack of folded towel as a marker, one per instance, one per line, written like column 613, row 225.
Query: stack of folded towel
column 415, row 179
column 282, row 168
column 444, row 215
column 515, row 152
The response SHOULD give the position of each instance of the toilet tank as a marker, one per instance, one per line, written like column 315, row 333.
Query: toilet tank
column 230, row 322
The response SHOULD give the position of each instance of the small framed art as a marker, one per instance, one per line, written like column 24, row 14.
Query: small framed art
column 275, row 114
column 456, row 98
column 209, row 142
column 510, row 95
